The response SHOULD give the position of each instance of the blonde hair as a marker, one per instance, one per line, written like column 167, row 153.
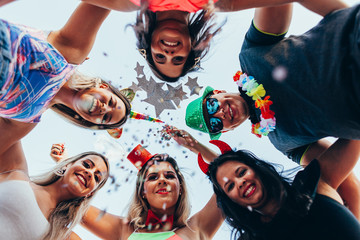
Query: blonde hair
column 139, row 207
column 70, row 212
column 78, row 82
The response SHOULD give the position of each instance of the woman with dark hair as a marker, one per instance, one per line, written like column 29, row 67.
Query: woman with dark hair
column 47, row 206
column 38, row 71
column 160, row 207
column 259, row 203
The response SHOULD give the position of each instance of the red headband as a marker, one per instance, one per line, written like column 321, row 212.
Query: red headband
column 224, row 148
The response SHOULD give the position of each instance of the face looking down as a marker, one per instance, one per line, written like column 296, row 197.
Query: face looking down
column 225, row 111
column 241, row 184
column 161, row 187
column 99, row 105
column 84, row 176
column 170, row 47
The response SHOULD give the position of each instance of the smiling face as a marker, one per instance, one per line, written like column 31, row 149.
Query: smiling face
column 170, row 47
column 241, row 184
column 99, row 105
column 232, row 109
column 84, row 176
column 161, row 187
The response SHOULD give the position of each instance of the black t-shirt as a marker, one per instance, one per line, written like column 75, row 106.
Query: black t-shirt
column 320, row 95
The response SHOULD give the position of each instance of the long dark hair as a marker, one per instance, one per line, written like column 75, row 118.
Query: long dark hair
column 201, row 29
column 247, row 223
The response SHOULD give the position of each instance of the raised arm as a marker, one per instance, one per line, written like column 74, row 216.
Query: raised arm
column 4, row 2
column 105, row 225
column 321, row 7
column 13, row 159
column 75, row 40
column 185, row 139
column 338, row 161
column 273, row 20
column 208, row 220
column 119, row 5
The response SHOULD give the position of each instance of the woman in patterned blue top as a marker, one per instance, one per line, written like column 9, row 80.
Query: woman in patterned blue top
column 37, row 71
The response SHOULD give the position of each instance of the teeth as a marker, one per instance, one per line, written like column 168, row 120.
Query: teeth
column 93, row 106
column 231, row 113
column 82, row 179
column 248, row 191
column 170, row 43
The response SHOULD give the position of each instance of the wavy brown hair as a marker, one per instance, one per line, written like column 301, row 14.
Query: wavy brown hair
column 201, row 28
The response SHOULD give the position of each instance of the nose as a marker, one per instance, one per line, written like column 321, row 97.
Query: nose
column 220, row 114
column 104, row 109
column 241, row 183
column 162, row 179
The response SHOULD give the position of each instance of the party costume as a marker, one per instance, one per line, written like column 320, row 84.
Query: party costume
column 326, row 218
column 319, row 93
column 182, row 5
column 35, row 74
column 154, row 236
column 20, row 215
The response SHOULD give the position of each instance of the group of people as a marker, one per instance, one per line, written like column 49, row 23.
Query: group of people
column 317, row 98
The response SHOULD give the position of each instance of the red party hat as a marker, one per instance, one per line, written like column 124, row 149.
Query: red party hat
column 139, row 156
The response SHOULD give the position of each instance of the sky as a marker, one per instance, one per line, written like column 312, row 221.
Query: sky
column 114, row 57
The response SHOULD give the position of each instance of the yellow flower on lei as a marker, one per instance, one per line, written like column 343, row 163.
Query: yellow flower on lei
column 257, row 93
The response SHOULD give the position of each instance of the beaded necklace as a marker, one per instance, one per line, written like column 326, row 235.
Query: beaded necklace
column 256, row 91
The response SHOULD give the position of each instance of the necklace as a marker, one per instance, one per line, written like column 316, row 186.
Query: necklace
column 256, row 91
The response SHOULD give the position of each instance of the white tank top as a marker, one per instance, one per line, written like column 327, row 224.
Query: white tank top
column 20, row 215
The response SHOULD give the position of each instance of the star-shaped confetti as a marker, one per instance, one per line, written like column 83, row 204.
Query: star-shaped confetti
column 193, row 86
column 135, row 87
column 176, row 94
column 139, row 69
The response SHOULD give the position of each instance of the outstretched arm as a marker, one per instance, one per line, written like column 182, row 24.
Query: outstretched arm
column 185, row 139
column 208, row 220
column 106, row 225
column 75, row 40
column 119, row 5
column 349, row 189
column 4, row 2
column 13, row 159
column 321, row 7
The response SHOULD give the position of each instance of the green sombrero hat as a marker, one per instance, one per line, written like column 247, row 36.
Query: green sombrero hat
column 194, row 117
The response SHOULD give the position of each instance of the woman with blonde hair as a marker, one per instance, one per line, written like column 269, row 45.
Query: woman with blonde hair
column 50, row 205
column 38, row 71
column 160, row 207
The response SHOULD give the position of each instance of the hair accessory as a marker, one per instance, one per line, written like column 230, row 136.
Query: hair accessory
column 128, row 93
column 253, row 89
column 60, row 172
column 224, row 148
column 139, row 156
column 196, row 63
column 142, row 51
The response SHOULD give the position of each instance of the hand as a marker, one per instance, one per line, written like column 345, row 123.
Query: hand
column 182, row 137
column 58, row 152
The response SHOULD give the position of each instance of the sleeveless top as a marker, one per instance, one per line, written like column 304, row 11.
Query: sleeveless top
column 154, row 236
column 36, row 73
column 20, row 215
column 182, row 5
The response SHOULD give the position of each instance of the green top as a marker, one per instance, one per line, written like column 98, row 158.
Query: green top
column 153, row 236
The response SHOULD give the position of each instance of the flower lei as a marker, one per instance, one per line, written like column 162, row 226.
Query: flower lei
column 253, row 89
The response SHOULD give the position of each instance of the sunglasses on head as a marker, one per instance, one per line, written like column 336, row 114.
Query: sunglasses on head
column 212, row 106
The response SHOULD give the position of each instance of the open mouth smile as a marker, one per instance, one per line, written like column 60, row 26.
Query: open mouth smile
column 81, row 179
column 170, row 43
column 249, row 191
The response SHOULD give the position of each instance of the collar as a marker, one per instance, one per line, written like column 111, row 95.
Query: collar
column 152, row 221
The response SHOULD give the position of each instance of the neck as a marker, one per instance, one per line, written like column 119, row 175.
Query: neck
column 180, row 16
column 57, row 192
column 161, row 212
column 64, row 96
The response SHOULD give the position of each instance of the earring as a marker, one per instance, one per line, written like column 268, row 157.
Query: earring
column 142, row 51
column 60, row 172
column 196, row 63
